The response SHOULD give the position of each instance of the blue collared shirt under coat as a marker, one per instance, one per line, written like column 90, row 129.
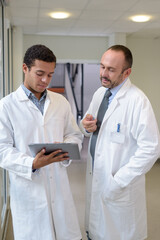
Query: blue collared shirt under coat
column 39, row 103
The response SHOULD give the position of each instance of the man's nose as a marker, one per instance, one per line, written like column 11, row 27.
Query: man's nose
column 45, row 79
column 104, row 73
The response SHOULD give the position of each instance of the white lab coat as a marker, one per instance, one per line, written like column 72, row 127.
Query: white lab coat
column 116, row 206
column 41, row 202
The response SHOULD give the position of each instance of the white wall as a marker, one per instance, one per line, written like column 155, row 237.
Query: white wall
column 17, row 57
column 145, row 72
column 79, row 49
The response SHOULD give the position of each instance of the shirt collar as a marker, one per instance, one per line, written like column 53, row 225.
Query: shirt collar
column 116, row 89
column 29, row 93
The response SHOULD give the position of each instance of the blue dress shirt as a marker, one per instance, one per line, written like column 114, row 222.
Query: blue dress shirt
column 39, row 103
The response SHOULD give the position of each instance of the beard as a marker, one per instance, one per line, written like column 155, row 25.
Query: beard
column 108, row 83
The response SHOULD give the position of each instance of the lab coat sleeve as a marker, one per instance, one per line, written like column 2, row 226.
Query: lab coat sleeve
column 72, row 133
column 83, row 130
column 92, row 111
column 146, row 134
column 10, row 158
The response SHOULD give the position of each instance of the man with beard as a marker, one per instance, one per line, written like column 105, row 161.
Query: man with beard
column 124, row 145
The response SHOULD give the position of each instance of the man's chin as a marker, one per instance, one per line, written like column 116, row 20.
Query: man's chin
column 106, row 85
column 41, row 89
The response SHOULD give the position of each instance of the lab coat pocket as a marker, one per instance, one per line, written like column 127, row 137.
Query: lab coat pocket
column 118, row 133
column 117, row 137
column 113, row 192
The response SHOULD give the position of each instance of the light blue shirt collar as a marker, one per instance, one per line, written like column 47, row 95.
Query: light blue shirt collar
column 29, row 93
column 39, row 103
column 115, row 90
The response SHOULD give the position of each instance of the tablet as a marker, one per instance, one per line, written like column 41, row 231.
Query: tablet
column 71, row 148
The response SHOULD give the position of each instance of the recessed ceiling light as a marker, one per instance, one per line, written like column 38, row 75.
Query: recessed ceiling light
column 140, row 18
column 60, row 15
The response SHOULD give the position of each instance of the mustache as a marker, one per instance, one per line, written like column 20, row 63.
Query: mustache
column 105, row 79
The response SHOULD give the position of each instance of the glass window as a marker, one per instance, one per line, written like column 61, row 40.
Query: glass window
column 1, row 53
column 3, row 199
column 1, row 94
column 3, row 174
column 1, row 190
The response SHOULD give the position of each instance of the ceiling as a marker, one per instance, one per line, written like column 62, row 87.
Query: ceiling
column 88, row 17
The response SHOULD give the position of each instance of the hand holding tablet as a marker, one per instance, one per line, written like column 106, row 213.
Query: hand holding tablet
column 70, row 148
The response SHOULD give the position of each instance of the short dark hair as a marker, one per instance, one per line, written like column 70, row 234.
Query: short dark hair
column 127, row 54
column 38, row 52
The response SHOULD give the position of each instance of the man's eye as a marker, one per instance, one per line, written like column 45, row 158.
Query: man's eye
column 50, row 75
column 111, row 70
column 39, row 74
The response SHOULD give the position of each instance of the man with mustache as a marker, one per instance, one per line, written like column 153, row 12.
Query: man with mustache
column 124, row 145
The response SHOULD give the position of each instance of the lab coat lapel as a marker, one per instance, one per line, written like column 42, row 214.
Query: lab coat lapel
column 116, row 99
column 22, row 97
column 47, row 102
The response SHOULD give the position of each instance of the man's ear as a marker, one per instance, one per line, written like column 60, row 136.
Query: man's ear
column 25, row 68
column 127, row 72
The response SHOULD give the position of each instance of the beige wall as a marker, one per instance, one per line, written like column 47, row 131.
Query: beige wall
column 79, row 49
column 145, row 72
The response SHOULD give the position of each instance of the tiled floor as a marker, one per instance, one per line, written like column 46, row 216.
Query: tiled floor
column 76, row 173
